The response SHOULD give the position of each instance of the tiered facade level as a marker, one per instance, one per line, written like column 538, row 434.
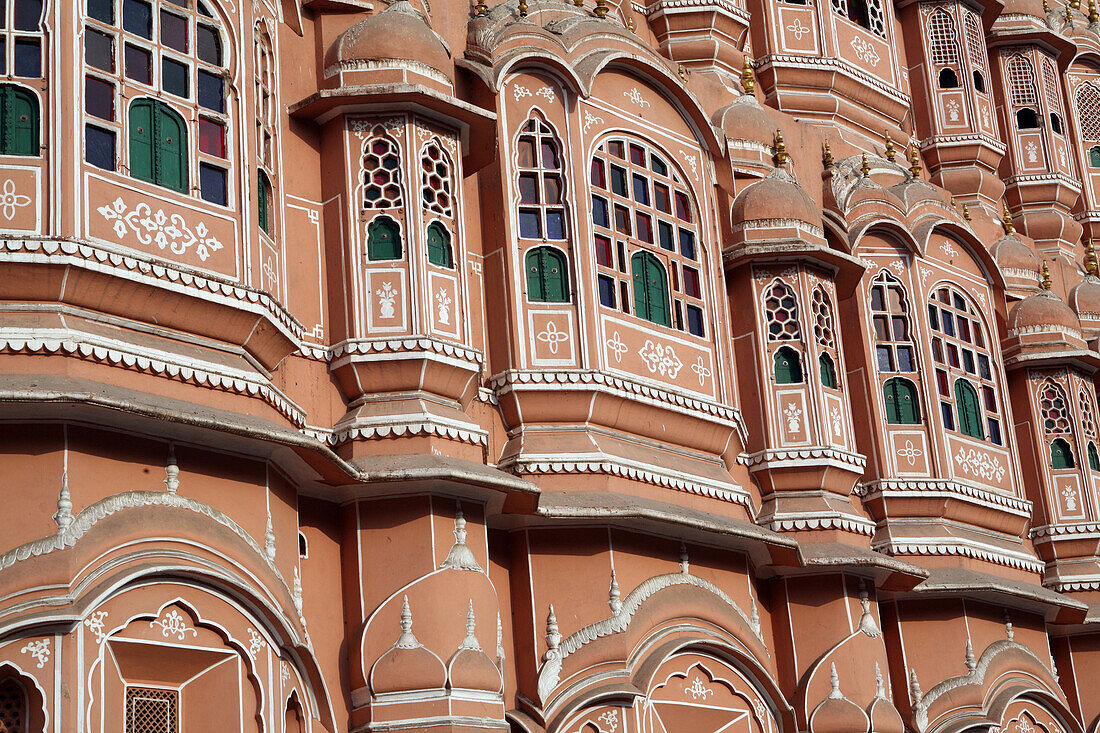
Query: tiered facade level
column 717, row 366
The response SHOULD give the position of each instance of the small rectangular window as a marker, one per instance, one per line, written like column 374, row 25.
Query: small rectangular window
column 209, row 44
column 139, row 64
column 551, row 189
column 933, row 317
column 526, row 153
column 28, row 58
column 983, row 367
column 660, row 198
column 102, row 10
column 637, row 155
column 174, row 78
column 599, row 211
column 687, row 244
column 607, row 291
column 994, row 432
column 643, row 227
column 953, row 355
column 882, row 332
column 621, row 248
column 603, row 251
column 615, row 147
column 948, row 324
column 618, row 181
column 905, row 359
column 99, row 147
column 211, row 137
column 211, row 91
column 694, row 320
column 885, row 359
column 878, row 302
column 99, row 98
column 624, row 297
column 529, row 188
column 99, row 50
column 137, row 18
column 948, row 416
column 968, row 361
column 173, row 32
column 898, row 328
column 683, row 210
column 658, row 166
column 28, row 15
column 596, row 175
column 941, row 383
column 964, row 329
column 549, row 156
column 529, row 225
column 641, row 190
column 213, row 184
column 937, row 350
column 622, row 220
column 664, row 234
column 555, row 224
column 691, row 282
column 990, row 398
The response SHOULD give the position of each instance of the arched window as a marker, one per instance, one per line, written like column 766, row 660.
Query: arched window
column 828, row 371
column 781, row 313
column 641, row 205
column 382, row 173
column 1052, row 96
column 1088, row 422
column 172, row 49
column 1026, row 119
column 975, row 41
column 435, row 180
column 1061, row 455
column 18, row 121
column 263, row 200
column 867, row 14
column 650, row 288
column 540, row 182
column 943, row 46
column 383, row 239
column 547, row 276
column 13, row 707
column 1088, row 112
column 158, row 144
column 961, row 350
column 899, row 398
column 303, row 546
column 1055, row 123
column 439, row 246
column 1094, row 459
column 1021, row 82
column 788, row 366
column 890, row 319
column 948, row 79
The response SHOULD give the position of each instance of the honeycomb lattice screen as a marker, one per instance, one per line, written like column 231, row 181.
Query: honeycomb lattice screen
column 151, row 711
column 13, row 708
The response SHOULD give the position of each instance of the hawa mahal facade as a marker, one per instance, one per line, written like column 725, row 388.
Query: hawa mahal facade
column 549, row 366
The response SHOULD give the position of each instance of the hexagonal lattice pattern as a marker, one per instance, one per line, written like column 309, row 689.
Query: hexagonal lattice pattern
column 1088, row 424
column 435, row 178
column 12, row 708
column 382, row 174
column 781, row 311
column 150, row 710
column 823, row 318
column 1052, row 406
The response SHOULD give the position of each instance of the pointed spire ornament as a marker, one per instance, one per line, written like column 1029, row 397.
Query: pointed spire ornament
column 914, row 687
column 601, row 9
column 914, row 160
column 1006, row 220
column 880, row 686
column 578, row 3
column 827, row 161
column 613, row 596
column 780, row 145
column 630, row 25
column 684, row 565
column 1046, row 6
column 966, row 212
column 971, row 664
column 748, row 82
column 407, row 640
column 867, row 622
column 460, row 556
column 1044, row 283
column 171, row 471
column 269, row 538
column 63, row 517
column 553, row 637
column 834, row 683
column 890, row 152
column 1090, row 259
column 1094, row 16
column 865, row 167
column 481, row 9
column 296, row 591
column 500, row 641
column 470, row 642
column 522, row 8
column 682, row 72
column 1008, row 619
column 1069, row 13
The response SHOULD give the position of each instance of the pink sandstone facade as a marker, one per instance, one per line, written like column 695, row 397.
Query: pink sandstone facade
column 710, row 366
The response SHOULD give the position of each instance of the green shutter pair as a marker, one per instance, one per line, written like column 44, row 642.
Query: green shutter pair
column 787, row 366
column 18, row 121
column 158, row 145
column 650, row 288
column 900, row 398
column 970, row 412
column 547, row 280
column 383, row 239
column 439, row 246
column 1061, row 456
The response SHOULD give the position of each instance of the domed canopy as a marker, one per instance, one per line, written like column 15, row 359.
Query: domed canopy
column 776, row 197
column 1013, row 254
column 1042, row 311
column 407, row 665
column 1085, row 297
column 1033, row 8
column 746, row 119
column 836, row 713
column 398, row 33
column 470, row 668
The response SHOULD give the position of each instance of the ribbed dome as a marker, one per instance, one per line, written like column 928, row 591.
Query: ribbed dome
column 746, row 119
column 836, row 713
column 407, row 665
column 776, row 197
column 1085, row 296
column 1012, row 254
column 398, row 33
column 1033, row 8
column 1044, row 310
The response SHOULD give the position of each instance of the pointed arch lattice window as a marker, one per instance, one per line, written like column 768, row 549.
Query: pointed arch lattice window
column 13, row 707
column 540, row 181
column 975, row 45
column 824, row 337
column 781, row 313
column 1052, row 96
column 1054, row 411
column 264, row 101
column 382, row 173
column 1088, row 421
column 894, row 350
column 1021, row 82
column 1087, row 103
column 642, row 206
column 435, row 180
column 966, row 380
column 943, row 43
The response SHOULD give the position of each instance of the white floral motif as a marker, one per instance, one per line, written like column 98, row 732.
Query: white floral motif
column 284, row 672
column 865, row 51
column 255, row 643
column 520, row 92
column 1023, row 726
column 547, row 93
column 387, row 294
column 910, row 453
column 1070, row 495
column 551, row 336
column 95, row 624
column 615, row 343
column 9, row 199
column 793, row 413
column 975, row 462
column 953, row 111
column 701, row 371
column 661, row 359
column 924, row 272
column 40, row 650
column 698, row 690
column 691, row 161
column 173, row 623
column 443, row 307
column 985, row 117
column 798, row 29
column 948, row 249
column 834, row 416
column 589, row 120
column 898, row 266
column 1032, row 153
column 1062, row 157
column 163, row 230
column 636, row 97
column 611, row 720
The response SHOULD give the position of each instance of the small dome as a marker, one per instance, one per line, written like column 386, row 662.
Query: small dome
column 776, row 197
column 885, row 718
column 407, row 665
column 836, row 713
column 470, row 668
column 1033, row 8
column 398, row 33
column 1013, row 254
column 1085, row 297
column 746, row 119
column 1042, row 311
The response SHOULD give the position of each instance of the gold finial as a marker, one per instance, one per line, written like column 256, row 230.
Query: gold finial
column 890, row 152
column 1069, row 13
column 481, row 9
column 682, row 72
column 578, row 3
column 966, row 212
column 781, row 155
column 826, row 156
column 865, row 167
column 1044, row 282
column 601, row 9
column 630, row 24
column 1006, row 221
column 1075, row 4
column 914, row 160
column 1094, row 16
column 1046, row 6
column 748, row 83
column 1090, row 259
column 522, row 8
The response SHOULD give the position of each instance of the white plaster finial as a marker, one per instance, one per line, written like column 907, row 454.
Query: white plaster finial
column 684, row 566
column 971, row 665
column 470, row 642
column 269, row 538
column 834, row 682
column 754, row 619
column 64, row 514
column 500, row 641
column 914, row 687
column 460, row 556
column 1054, row 669
column 406, row 640
column 1009, row 632
column 296, row 592
column 171, row 471
column 614, row 598
column 867, row 622
column 880, row 686
column 553, row 638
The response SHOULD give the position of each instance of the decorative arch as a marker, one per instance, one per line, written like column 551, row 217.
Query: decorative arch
column 24, row 692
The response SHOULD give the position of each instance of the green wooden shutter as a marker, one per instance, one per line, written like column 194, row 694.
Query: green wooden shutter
column 439, row 246
column 263, row 200
column 1094, row 459
column 970, row 414
column 650, row 288
column 536, row 290
column 169, row 149
column 787, row 366
column 900, row 398
column 547, row 280
column 828, row 371
column 641, row 293
column 20, row 121
column 141, row 140
column 1060, row 454
column 383, row 239
column 1094, row 156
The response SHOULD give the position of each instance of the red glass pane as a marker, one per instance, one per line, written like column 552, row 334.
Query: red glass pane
column 597, row 175
column 211, row 137
column 683, row 211
column 691, row 282
column 637, row 155
column 603, row 251
column 644, row 227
